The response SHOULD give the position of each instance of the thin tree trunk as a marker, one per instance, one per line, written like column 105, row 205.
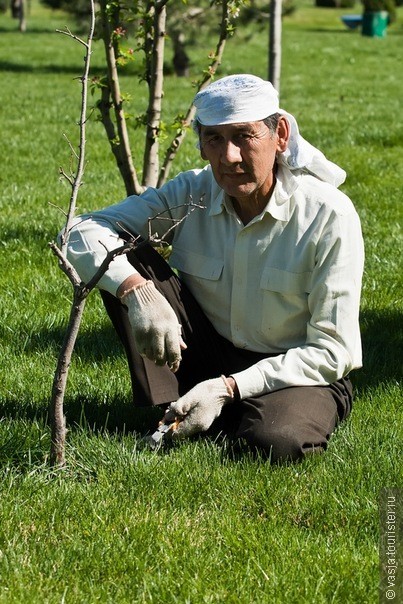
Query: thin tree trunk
column 156, row 75
column 57, row 417
column 275, row 43
column 23, row 20
column 121, row 142
column 58, row 423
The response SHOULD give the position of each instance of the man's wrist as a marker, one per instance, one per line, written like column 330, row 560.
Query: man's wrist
column 130, row 283
column 233, row 385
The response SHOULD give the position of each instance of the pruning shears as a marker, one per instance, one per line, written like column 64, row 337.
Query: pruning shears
column 164, row 428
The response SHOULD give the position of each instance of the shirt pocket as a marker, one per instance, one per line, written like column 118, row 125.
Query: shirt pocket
column 285, row 311
column 286, row 282
column 195, row 265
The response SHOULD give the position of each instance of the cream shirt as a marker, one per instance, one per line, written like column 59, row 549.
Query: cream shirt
column 287, row 283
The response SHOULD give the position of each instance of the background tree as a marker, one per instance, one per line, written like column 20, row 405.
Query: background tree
column 275, row 43
column 19, row 12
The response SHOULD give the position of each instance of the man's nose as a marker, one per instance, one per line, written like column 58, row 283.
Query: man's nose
column 231, row 153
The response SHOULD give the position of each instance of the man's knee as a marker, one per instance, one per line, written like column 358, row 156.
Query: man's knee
column 289, row 424
column 285, row 443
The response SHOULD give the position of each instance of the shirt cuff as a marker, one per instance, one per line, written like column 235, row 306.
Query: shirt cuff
column 250, row 382
column 119, row 270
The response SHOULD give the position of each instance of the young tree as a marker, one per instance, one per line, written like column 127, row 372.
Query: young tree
column 114, row 120
column 80, row 291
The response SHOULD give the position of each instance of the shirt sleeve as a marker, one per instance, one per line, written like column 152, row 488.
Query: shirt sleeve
column 90, row 240
column 333, row 346
column 150, row 214
column 93, row 235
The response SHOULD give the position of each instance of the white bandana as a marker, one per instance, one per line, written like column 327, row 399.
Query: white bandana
column 247, row 98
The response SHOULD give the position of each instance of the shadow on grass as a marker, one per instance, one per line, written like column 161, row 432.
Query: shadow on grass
column 9, row 66
column 382, row 342
column 35, row 230
column 92, row 412
column 382, row 352
column 79, row 29
column 54, row 68
column 113, row 416
column 92, row 345
column 327, row 30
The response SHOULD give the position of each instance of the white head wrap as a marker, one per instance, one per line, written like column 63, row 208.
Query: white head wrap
column 247, row 98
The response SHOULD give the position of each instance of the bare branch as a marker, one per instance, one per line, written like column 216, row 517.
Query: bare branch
column 176, row 221
column 135, row 242
column 132, row 243
column 82, row 123
column 67, row 32
column 123, row 249
column 72, row 149
column 69, row 179
column 65, row 265
column 58, row 208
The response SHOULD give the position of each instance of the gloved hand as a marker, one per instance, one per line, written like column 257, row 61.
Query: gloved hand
column 156, row 330
column 199, row 407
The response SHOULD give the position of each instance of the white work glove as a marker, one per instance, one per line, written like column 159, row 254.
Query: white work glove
column 156, row 329
column 199, row 407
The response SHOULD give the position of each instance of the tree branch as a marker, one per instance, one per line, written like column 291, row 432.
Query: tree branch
column 75, row 181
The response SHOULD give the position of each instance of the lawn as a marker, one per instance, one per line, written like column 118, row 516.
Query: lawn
column 188, row 524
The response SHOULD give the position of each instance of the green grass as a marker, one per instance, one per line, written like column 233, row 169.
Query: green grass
column 189, row 524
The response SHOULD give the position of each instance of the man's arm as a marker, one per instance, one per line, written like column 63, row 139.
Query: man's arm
column 156, row 330
column 156, row 211
column 333, row 347
column 90, row 239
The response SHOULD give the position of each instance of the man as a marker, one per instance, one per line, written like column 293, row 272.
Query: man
column 257, row 330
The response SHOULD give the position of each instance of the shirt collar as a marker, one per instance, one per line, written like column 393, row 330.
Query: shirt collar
column 218, row 200
column 278, row 206
column 287, row 182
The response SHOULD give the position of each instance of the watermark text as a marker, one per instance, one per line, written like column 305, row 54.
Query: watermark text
column 391, row 546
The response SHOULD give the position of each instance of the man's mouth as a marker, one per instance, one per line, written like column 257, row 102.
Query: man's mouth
column 232, row 174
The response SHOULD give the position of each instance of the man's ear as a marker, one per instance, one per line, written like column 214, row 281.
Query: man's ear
column 283, row 134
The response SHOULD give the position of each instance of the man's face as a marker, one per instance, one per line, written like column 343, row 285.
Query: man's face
column 242, row 157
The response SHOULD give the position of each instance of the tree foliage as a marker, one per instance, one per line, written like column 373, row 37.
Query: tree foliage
column 148, row 24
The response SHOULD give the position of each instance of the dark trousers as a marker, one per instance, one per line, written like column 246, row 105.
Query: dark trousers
column 285, row 424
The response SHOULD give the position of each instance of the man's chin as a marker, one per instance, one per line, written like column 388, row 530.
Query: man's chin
column 239, row 191
column 236, row 182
